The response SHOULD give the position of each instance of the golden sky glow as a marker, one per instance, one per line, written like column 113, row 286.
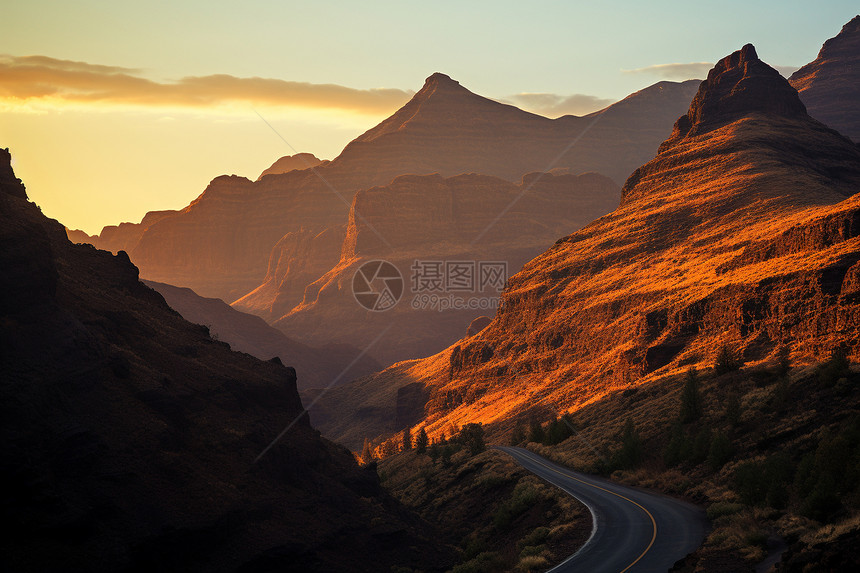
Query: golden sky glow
column 101, row 144
column 91, row 166
column 98, row 144
column 112, row 109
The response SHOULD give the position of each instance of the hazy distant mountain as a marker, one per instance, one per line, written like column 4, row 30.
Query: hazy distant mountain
column 743, row 230
column 828, row 85
column 220, row 244
column 449, row 130
column 78, row 236
column 125, row 236
column 289, row 163
column 315, row 367
column 467, row 222
column 129, row 436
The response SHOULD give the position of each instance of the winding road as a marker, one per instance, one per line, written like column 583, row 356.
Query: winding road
column 632, row 530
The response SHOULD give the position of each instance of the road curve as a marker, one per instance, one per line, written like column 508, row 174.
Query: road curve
column 632, row 530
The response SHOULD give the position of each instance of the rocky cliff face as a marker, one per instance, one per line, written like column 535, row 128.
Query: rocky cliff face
column 125, row 236
column 220, row 244
column 471, row 222
column 740, row 84
column 296, row 261
column 828, row 84
column 743, row 230
column 129, row 436
column 474, row 219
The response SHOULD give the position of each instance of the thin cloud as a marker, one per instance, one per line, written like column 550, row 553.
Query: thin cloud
column 34, row 78
column 692, row 70
column 677, row 71
column 555, row 105
column 69, row 65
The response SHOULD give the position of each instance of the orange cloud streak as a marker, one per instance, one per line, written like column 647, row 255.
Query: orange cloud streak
column 30, row 78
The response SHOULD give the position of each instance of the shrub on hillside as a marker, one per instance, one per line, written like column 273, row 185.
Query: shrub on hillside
column 691, row 398
column 726, row 361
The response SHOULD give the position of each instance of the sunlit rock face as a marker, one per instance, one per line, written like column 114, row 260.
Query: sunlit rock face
column 743, row 230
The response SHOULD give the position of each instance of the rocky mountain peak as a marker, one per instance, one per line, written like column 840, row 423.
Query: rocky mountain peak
column 828, row 84
column 440, row 79
column 439, row 84
column 848, row 37
column 845, row 46
column 737, row 85
column 10, row 184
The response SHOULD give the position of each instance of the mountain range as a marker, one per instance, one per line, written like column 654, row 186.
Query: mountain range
column 152, row 426
column 741, row 232
column 220, row 245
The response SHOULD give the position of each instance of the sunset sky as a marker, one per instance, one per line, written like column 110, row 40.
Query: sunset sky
column 113, row 109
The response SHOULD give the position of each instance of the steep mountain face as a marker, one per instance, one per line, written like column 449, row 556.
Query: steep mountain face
column 474, row 223
column 220, row 244
column 315, row 367
column 828, row 84
column 125, row 236
column 744, row 230
column 289, row 163
column 296, row 261
column 129, row 436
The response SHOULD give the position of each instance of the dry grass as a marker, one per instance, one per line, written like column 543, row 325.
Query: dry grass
column 501, row 517
column 766, row 426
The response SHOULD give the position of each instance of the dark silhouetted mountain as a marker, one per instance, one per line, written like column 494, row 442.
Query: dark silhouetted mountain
column 129, row 436
column 828, row 84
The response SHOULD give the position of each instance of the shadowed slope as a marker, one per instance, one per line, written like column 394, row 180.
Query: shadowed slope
column 315, row 367
column 828, row 84
column 129, row 436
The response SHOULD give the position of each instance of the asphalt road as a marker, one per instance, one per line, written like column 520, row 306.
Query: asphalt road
column 632, row 530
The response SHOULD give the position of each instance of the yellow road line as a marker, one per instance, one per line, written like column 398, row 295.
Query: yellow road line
column 648, row 513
